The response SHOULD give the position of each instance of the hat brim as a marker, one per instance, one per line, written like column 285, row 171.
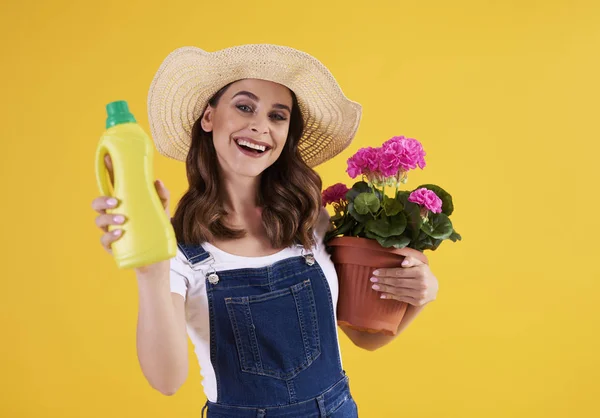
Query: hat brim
column 190, row 76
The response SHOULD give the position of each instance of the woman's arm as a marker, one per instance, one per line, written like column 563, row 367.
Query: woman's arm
column 161, row 331
column 372, row 342
column 413, row 283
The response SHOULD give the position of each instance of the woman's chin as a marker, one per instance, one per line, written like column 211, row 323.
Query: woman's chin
column 242, row 165
column 249, row 170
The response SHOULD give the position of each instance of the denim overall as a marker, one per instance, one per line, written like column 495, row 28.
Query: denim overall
column 273, row 341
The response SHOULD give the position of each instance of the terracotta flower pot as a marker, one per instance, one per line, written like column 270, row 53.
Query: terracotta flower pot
column 359, row 306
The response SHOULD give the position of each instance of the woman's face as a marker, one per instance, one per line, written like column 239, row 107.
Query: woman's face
column 250, row 125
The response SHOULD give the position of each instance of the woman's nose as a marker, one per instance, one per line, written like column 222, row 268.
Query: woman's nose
column 260, row 125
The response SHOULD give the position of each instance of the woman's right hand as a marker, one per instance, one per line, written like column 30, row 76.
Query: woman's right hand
column 104, row 219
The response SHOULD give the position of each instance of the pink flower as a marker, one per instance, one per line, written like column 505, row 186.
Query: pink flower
column 389, row 163
column 334, row 193
column 426, row 198
column 365, row 161
column 406, row 153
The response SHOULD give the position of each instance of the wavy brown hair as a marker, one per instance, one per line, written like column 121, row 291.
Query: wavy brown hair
column 289, row 192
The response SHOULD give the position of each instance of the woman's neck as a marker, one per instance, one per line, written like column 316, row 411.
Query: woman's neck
column 240, row 196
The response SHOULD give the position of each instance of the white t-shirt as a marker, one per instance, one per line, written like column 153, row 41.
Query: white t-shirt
column 189, row 282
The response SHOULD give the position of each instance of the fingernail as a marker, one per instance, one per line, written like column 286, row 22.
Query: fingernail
column 119, row 219
column 374, row 279
column 117, row 232
column 382, row 296
column 375, row 287
column 112, row 201
column 376, row 272
column 405, row 263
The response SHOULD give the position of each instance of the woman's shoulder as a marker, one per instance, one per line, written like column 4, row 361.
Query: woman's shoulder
column 182, row 264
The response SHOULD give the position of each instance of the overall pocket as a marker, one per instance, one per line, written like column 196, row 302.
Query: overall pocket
column 276, row 333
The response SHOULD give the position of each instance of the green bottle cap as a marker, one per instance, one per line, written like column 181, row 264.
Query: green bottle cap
column 118, row 112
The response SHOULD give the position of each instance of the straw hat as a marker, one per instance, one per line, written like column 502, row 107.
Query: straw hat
column 189, row 77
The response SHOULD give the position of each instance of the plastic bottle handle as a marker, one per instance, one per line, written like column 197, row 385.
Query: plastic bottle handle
column 101, row 171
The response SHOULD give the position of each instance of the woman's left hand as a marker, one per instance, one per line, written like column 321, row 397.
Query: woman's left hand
column 413, row 283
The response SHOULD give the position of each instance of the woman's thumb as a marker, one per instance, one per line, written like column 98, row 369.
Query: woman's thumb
column 161, row 189
column 162, row 192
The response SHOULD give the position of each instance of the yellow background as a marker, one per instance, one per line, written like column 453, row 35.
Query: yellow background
column 502, row 94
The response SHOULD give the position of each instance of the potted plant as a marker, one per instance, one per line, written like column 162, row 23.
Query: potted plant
column 371, row 229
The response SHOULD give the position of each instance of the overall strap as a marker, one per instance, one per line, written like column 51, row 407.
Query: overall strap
column 195, row 254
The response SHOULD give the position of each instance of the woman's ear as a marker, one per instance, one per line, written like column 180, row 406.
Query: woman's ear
column 207, row 120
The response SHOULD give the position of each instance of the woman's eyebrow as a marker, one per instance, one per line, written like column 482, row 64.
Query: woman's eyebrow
column 255, row 98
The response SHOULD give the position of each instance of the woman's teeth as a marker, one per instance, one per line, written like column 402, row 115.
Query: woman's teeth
column 260, row 148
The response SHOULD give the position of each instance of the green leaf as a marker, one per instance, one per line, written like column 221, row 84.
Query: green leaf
column 396, row 242
column 436, row 244
column 438, row 226
column 378, row 227
column 356, row 215
column 347, row 226
column 392, row 206
column 447, row 205
column 387, row 227
column 361, row 187
column 372, row 235
column 366, row 203
column 423, row 242
column 358, row 229
column 402, row 197
column 413, row 212
column 358, row 188
column 455, row 236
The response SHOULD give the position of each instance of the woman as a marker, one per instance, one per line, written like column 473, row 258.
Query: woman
column 252, row 283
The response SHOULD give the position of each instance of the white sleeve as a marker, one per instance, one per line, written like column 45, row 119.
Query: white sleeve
column 179, row 275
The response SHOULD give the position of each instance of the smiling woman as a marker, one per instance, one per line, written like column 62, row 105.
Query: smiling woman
column 252, row 282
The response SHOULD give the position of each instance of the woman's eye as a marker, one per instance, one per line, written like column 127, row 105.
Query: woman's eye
column 277, row 116
column 244, row 108
column 248, row 109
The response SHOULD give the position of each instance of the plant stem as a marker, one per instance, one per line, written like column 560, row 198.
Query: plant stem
column 398, row 175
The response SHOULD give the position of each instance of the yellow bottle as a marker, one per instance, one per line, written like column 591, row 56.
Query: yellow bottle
column 148, row 235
